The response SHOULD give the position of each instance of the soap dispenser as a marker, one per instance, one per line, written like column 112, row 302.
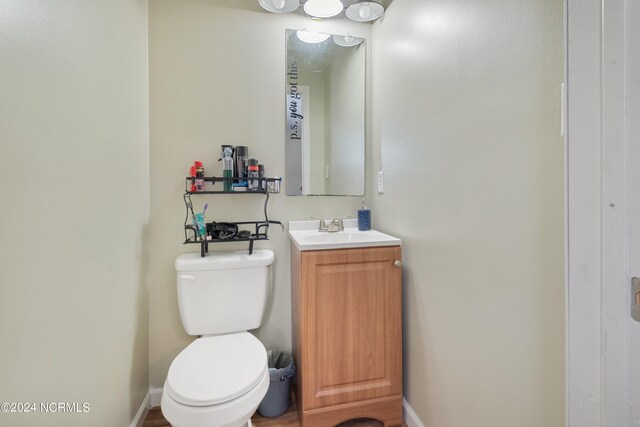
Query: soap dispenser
column 364, row 218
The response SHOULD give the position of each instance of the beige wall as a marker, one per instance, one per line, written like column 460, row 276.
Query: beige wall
column 217, row 76
column 466, row 129
column 75, row 195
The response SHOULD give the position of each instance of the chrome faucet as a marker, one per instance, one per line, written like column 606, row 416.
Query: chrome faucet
column 333, row 226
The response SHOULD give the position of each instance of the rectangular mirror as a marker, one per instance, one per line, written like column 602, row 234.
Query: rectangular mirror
column 325, row 114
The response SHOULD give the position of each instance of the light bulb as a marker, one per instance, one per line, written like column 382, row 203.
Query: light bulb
column 365, row 12
column 309, row 37
column 279, row 6
column 323, row 8
column 347, row 41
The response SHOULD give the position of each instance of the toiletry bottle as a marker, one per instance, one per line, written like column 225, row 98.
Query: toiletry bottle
column 192, row 174
column 262, row 185
column 364, row 218
column 242, row 156
column 227, row 168
column 253, row 175
column 222, row 157
column 199, row 181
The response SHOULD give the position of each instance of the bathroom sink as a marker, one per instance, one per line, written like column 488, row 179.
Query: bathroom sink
column 306, row 237
column 340, row 237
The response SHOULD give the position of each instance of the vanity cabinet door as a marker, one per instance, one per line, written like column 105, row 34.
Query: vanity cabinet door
column 351, row 325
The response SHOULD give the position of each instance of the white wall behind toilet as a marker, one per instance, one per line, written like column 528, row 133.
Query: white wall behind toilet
column 466, row 129
column 217, row 77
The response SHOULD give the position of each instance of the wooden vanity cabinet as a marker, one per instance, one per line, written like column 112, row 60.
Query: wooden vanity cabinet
column 347, row 334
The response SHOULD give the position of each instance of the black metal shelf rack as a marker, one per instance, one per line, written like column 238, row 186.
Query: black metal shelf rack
column 259, row 231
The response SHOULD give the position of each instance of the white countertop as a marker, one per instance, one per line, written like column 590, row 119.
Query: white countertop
column 306, row 237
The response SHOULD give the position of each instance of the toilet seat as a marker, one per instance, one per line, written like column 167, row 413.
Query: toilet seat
column 214, row 370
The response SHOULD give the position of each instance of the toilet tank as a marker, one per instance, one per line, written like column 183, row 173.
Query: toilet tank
column 223, row 292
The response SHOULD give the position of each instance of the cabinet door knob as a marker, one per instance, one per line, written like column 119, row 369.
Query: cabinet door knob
column 398, row 263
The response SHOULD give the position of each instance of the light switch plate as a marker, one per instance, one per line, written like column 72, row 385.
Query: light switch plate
column 381, row 182
column 635, row 299
column 563, row 109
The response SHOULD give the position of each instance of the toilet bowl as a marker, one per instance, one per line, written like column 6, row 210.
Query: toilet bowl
column 220, row 379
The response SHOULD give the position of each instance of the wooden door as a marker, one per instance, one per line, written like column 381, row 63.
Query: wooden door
column 351, row 326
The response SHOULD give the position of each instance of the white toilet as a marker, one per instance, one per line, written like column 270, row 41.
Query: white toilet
column 219, row 380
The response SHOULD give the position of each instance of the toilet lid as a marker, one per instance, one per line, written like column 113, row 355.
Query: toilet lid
column 214, row 370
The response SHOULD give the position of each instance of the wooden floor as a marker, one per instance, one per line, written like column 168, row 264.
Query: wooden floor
column 288, row 419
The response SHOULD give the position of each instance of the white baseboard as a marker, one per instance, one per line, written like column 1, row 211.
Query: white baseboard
column 410, row 417
column 156, row 396
column 138, row 420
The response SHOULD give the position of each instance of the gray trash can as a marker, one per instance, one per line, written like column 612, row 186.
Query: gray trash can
column 281, row 370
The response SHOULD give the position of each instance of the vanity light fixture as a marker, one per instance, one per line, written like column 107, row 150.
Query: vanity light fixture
column 309, row 37
column 323, row 8
column 364, row 11
column 347, row 41
column 280, row 6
